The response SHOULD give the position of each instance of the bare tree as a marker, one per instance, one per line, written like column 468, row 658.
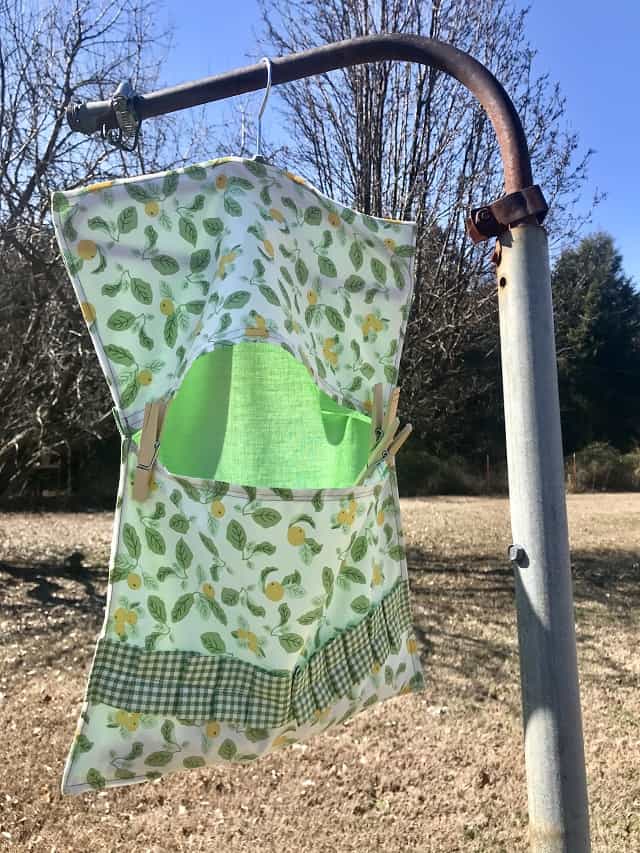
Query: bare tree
column 53, row 393
column 401, row 140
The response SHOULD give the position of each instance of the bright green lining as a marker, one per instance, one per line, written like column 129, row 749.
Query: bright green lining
column 252, row 414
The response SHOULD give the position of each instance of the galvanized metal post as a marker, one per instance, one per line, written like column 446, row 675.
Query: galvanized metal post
column 554, row 751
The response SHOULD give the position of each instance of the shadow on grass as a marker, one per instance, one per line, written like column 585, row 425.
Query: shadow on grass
column 53, row 584
column 464, row 612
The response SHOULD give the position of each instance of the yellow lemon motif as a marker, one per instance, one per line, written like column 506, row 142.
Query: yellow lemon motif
column 259, row 328
column 334, row 219
column 375, row 669
column 120, row 615
column 88, row 312
column 377, row 324
column 352, row 505
column 167, row 307
column 132, row 617
column 268, row 248
column 208, row 590
column 295, row 535
column 86, row 249
column 312, row 298
column 252, row 640
column 274, row 591
column 131, row 724
column 242, row 633
column 217, row 509
column 328, row 351
column 100, row 185
column 351, row 515
column 281, row 740
column 296, row 178
column 274, row 213
column 212, row 729
column 145, row 377
column 152, row 208
column 380, row 518
column 343, row 515
column 390, row 244
column 412, row 645
column 376, row 576
column 368, row 406
column 152, row 484
column 134, row 580
column 221, row 182
column 121, row 717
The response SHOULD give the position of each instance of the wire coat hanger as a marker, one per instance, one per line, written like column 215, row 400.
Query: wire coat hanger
column 258, row 154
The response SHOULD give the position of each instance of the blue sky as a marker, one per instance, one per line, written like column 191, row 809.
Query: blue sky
column 589, row 48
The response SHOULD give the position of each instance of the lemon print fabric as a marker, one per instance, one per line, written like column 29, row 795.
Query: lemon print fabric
column 256, row 596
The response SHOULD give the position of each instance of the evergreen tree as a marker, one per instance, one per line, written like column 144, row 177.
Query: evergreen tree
column 598, row 345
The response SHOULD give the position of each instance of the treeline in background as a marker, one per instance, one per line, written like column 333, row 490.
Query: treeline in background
column 390, row 139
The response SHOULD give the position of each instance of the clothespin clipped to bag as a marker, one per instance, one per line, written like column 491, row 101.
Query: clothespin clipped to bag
column 154, row 414
column 384, row 441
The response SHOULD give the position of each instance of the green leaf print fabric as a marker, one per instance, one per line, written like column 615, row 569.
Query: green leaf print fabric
column 256, row 596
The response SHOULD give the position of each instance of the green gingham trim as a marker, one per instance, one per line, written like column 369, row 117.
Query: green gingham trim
column 198, row 687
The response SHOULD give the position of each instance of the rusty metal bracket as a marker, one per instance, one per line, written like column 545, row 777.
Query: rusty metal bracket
column 494, row 219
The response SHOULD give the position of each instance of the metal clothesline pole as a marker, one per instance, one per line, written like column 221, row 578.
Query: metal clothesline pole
column 554, row 750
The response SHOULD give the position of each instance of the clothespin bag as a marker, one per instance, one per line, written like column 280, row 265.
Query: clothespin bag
column 258, row 589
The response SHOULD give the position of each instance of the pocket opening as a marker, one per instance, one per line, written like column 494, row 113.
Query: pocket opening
column 254, row 415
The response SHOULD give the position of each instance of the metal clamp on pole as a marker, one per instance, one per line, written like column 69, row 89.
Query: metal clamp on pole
column 494, row 219
column 123, row 103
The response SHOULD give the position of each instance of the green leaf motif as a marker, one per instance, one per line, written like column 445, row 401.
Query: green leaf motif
column 335, row 318
column 230, row 596
column 213, row 643
column 236, row 535
column 196, row 173
column 170, row 183
column 310, row 617
column 131, row 541
column 195, row 307
column 121, row 320
column 379, row 270
column 217, row 611
column 236, row 300
column 154, row 540
column 155, row 606
column 269, row 294
column 327, row 267
column 158, row 759
column 138, row 193
column 171, row 330
column 302, row 272
column 266, row 516
column 317, row 502
column 97, row 223
column 165, row 264
column 232, row 207
column 111, row 289
column 353, row 574
column 356, row 256
column 129, row 394
column 257, row 169
column 291, row 642
column 182, row 607
column 167, row 731
column 213, row 226
column 184, row 555
column 285, row 494
column 313, row 216
column 327, row 580
column 83, row 744
column 59, row 202
column 119, row 355
column 209, row 544
column 255, row 735
column 396, row 552
column 127, row 220
column 359, row 548
column 95, row 778
column 188, row 230
column 354, row 284
column 141, row 290
column 227, row 750
column 361, row 604
column 192, row 761
column 179, row 523
column 200, row 260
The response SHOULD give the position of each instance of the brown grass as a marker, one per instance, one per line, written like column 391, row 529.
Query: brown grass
column 437, row 772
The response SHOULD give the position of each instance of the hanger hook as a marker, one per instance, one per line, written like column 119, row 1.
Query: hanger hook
column 264, row 104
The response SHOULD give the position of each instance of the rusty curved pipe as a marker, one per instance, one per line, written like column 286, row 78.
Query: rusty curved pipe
column 92, row 115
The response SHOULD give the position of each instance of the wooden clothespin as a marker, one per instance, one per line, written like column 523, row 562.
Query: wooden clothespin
column 377, row 418
column 384, row 442
column 402, row 436
column 154, row 414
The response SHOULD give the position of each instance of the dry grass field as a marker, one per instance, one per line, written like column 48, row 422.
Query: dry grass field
column 438, row 772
